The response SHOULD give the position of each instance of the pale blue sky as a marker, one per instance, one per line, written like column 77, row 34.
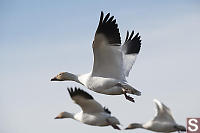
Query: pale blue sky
column 38, row 39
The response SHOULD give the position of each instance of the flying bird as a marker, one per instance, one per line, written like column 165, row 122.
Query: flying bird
column 92, row 112
column 112, row 61
column 162, row 122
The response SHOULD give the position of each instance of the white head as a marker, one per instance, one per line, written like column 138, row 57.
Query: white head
column 63, row 76
column 63, row 115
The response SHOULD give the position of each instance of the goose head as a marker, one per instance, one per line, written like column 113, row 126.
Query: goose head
column 64, row 76
column 63, row 115
column 60, row 77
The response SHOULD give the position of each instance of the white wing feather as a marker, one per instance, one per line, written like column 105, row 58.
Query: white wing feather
column 107, row 51
column 130, row 49
column 163, row 112
column 85, row 101
column 88, row 105
column 128, row 61
column 107, row 61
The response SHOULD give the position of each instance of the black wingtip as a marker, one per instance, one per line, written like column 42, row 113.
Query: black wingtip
column 127, row 35
column 106, row 18
column 132, row 44
column 132, row 33
column 78, row 92
column 108, row 27
column 110, row 19
column 128, row 38
column 101, row 17
column 107, row 110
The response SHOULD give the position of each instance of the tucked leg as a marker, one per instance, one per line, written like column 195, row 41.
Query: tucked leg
column 115, row 90
column 128, row 97
column 129, row 89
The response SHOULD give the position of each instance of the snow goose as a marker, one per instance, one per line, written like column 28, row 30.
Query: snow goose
column 162, row 122
column 112, row 61
column 92, row 112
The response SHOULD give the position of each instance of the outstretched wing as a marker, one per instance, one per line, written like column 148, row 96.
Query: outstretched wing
column 85, row 101
column 163, row 112
column 130, row 48
column 107, row 49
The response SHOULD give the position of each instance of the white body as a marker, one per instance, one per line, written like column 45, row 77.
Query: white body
column 160, row 126
column 162, row 122
column 101, row 85
column 95, row 119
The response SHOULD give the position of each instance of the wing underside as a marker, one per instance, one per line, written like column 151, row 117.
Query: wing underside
column 85, row 101
column 107, row 49
column 130, row 50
